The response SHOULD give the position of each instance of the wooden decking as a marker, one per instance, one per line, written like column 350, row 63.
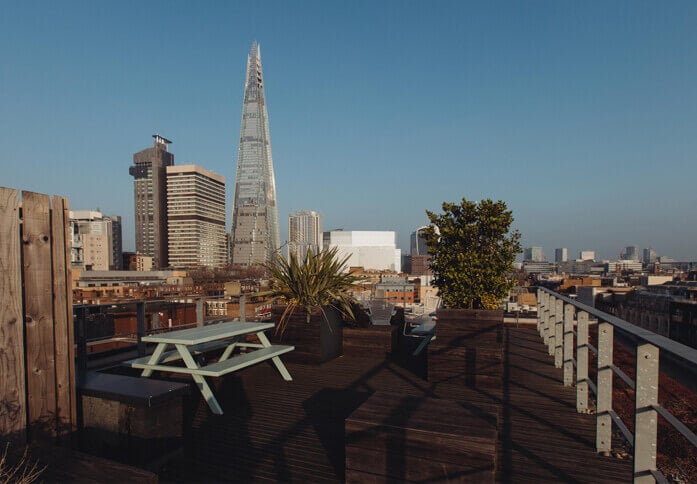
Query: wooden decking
column 274, row 430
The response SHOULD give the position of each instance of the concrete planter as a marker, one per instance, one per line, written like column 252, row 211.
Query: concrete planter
column 315, row 342
column 468, row 348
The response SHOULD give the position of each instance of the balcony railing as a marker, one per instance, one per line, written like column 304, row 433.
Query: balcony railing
column 563, row 323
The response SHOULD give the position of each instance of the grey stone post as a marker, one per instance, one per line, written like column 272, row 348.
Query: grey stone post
column 645, row 417
column 568, row 344
column 582, row 362
column 603, row 436
column 558, row 333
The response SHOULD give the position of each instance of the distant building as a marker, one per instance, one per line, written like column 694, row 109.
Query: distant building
column 195, row 217
column 136, row 262
column 304, row 233
column 631, row 252
column 418, row 242
column 534, row 254
column 586, row 255
column 372, row 250
column 149, row 172
column 532, row 267
column 561, row 255
column 255, row 235
column 397, row 290
column 649, row 255
column 418, row 265
column 95, row 241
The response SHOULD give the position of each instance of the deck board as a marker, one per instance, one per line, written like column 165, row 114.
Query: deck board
column 274, row 430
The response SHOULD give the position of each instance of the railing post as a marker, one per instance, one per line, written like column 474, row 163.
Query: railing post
column 81, row 340
column 645, row 417
column 582, row 362
column 545, row 318
column 539, row 311
column 140, row 316
column 568, row 344
column 199, row 311
column 603, row 436
column 551, row 322
column 558, row 333
column 243, row 309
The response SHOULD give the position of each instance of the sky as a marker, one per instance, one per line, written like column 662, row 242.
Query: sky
column 581, row 116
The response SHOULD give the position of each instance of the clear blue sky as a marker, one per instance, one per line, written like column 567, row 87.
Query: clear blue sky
column 582, row 116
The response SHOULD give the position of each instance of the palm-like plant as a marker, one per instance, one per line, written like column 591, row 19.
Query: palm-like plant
column 318, row 281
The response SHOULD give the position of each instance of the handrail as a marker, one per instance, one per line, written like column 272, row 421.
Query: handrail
column 557, row 316
column 685, row 353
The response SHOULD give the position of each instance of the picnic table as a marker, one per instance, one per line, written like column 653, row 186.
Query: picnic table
column 192, row 342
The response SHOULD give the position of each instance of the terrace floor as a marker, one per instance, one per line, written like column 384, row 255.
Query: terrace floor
column 274, row 430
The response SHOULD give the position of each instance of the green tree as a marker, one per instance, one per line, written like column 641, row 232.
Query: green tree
column 472, row 252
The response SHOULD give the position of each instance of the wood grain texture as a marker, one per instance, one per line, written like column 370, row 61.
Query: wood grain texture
column 71, row 325
column 38, row 301
column 12, row 390
column 61, row 308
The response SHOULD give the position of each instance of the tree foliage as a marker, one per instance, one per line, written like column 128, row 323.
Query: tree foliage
column 316, row 282
column 472, row 252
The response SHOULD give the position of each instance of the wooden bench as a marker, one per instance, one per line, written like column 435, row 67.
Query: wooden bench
column 131, row 419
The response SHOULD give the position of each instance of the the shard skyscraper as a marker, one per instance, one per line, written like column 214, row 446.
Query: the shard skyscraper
column 255, row 231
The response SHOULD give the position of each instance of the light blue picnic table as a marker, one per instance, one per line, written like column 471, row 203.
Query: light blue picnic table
column 194, row 341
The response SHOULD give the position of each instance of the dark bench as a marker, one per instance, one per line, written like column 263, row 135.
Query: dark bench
column 134, row 420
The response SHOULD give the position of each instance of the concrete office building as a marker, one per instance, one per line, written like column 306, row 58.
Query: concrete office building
column 372, row 250
column 304, row 233
column 255, row 234
column 95, row 240
column 631, row 252
column 586, row 255
column 534, row 254
column 195, row 217
column 650, row 255
column 561, row 255
column 418, row 242
column 149, row 172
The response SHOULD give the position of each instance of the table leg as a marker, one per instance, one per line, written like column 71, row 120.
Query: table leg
column 200, row 380
column 276, row 360
column 155, row 358
column 231, row 347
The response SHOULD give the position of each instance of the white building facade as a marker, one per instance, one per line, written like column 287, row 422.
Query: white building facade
column 372, row 250
column 304, row 233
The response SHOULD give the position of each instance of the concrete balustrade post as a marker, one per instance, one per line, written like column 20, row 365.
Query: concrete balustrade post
column 582, row 362
column 568, row 351
column 645, row 416
column 558, row 333
column 551, row 324
column 603, row 436
column 539, row 311
column 199, row 311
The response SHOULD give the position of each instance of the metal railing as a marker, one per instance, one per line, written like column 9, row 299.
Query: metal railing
column 556, row 318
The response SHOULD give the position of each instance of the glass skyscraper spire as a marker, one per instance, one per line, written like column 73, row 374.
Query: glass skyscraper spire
column 255, row 231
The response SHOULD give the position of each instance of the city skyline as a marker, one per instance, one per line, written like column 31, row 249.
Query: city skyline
column 571, row 113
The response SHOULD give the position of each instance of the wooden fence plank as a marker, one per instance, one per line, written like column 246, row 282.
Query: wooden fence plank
column 12, row 390
column 38, row 297
column 71, row 324
column 60, row 317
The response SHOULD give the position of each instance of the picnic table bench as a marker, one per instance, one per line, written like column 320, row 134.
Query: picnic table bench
column 192, row 342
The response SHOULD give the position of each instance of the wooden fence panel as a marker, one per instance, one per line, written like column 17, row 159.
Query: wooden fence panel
column 13, row 420
column 38, row 297
column 62, row 317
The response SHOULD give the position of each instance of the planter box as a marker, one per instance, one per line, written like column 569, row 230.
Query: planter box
column 393, row 438
column 468, row 348
column 315, row 342
column 373, row 341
